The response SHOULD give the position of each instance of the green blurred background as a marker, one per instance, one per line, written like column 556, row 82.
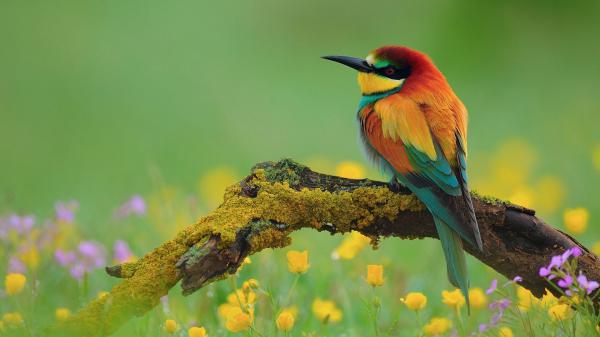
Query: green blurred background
column 100, row 100
column 93, row 94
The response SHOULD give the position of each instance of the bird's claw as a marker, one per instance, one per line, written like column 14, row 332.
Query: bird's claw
column 394, row 185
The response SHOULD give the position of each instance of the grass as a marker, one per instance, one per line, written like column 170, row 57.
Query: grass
column 332, row 298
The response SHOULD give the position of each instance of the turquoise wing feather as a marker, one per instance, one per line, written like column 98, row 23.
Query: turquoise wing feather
column 443, row 189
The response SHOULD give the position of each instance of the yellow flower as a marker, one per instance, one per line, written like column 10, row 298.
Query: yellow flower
column 505, row 332
column 326, row 311
column 415, row 301
column 102, row 294
column 292, row 310
column 547, row 300
column 212, row 185
column 297, row 261
column 237, row 320
column 350, row 169
column 14, row 283
column 437, row 326
column 559, row 312
column 225, row 309
column 477, row 298
column 573, row 300
column 526, row 299
column 512, row 163
column 285, row 321
column 523, row 196
column 62, row 314
column 576, row 219
column 550, row 192
column 170, row 326
column 351, row 245
column 453, row 299
column 250, row 284
column 31, row 258
column 375, row 275
column 246, row 261
column 245, row 297
column 197, row 332
column 12, row 318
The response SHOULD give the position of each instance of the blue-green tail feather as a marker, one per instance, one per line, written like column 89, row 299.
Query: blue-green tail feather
column 455, row 257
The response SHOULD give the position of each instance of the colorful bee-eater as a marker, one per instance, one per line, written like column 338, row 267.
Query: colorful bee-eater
column 415, row 127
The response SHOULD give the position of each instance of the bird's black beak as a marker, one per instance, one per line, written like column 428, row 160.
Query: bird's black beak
column 352, row 62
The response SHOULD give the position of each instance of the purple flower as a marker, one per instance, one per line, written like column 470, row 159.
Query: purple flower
column 122, row 253
column 64, row 258
column 544, row 271
column 138, row 205
column 566, row 282
column 498, row 307
column 49, row 233
column 134, row 206
column 15, row 265
column 587, row 285
column 493, row 287
column 65, row 212
column 88, row 256
column 574, row 251
column 515, row 279
column 77, row 271
column 557, row 261
column 19, row 224
column 501, row 304
column 92, row 254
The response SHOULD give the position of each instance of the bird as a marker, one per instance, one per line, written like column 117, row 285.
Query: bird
column 414, row 127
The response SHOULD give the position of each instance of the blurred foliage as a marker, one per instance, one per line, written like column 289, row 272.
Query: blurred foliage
column 94, row 95
column 101, row 100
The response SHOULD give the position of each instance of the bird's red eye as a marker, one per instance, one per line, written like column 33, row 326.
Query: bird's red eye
column 390, row 71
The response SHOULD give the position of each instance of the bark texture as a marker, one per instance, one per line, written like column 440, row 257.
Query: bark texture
column 278, row 198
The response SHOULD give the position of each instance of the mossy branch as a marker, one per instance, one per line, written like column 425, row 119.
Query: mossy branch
column 278, row 198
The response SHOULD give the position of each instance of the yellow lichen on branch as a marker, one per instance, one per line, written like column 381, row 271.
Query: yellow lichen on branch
column 151, row 277
column 278, row 198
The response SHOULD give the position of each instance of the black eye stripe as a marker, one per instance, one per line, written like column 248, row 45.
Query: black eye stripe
column 394, row 72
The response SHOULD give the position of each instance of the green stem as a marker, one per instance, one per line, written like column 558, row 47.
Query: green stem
column 292, row 288
column 376, row 308
column 24, row 316
column 460, row 320
column 419, row 322
column 253, row 329
column 233, row 282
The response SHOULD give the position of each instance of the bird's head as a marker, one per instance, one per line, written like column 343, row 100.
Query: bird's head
column 385, row 68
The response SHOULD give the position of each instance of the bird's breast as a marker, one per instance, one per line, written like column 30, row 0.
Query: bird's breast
column 381, row 150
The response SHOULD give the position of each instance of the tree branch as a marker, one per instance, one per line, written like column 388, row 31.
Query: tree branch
column 278, row 198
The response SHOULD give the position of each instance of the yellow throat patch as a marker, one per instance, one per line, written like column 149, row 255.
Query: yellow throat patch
column 371, row 83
